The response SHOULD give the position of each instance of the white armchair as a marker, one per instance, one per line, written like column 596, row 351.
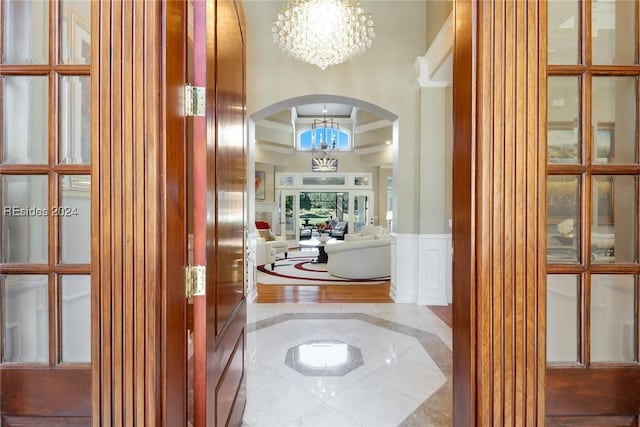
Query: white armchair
column 276, row 242
column 265, row 253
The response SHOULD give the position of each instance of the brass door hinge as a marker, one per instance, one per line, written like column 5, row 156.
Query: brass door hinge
column 195, row 279
column 194, row 101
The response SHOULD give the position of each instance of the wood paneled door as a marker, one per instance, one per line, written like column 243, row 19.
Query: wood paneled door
column 219, row 223
column 593, row 269
column 46, row 213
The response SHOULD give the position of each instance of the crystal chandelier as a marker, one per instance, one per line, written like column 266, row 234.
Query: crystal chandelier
column 323, row 32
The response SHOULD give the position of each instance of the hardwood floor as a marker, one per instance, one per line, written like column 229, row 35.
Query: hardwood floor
column 444, row 313
column 337, row 294
column 323, row 293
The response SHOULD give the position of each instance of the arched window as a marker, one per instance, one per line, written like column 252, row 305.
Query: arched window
column 335, row 139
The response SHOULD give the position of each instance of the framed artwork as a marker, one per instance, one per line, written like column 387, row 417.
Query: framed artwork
column 602, row 188
column 260, row 189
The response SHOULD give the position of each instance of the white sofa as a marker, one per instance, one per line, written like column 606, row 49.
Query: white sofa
column 366, row 258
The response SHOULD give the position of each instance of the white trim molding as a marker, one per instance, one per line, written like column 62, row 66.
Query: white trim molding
column 421, row 268
column 439, row 50
column 434, row 269
column 404, row 268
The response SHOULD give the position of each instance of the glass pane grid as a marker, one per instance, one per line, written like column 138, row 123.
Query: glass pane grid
column 593, row 136
column 45, row 177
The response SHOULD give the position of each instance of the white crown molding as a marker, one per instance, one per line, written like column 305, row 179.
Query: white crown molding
column 372, row 126
column 275, row 126
column 274, row 148
column 440, row 49
column 373, row 149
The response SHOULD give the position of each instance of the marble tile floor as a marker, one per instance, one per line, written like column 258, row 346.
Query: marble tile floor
column 398, row 358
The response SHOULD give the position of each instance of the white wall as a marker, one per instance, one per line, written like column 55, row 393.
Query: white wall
column 383, row 76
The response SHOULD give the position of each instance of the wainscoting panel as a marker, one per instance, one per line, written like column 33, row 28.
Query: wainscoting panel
column 404, row 268
column 434, row 267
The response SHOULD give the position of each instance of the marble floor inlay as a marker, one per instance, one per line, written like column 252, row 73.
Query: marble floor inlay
column 403, row 377
column 324, row 358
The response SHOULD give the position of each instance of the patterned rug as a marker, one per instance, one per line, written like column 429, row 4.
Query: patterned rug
column 298, row 269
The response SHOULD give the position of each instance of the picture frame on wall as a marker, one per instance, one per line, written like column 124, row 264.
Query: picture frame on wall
column 260, row 185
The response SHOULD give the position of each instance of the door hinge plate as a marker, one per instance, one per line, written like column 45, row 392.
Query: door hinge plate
column 194, row 101
column 195, row 279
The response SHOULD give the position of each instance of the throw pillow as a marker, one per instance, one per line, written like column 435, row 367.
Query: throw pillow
column 267, row 235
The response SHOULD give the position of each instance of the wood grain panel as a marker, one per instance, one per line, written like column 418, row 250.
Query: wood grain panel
column 594, row 391
column 139, row 329
column 498, row 202
column 11, row 421
column 225, row 228
column 612, row 421
column 229, row 163
column 46, row 392
column 230, row 382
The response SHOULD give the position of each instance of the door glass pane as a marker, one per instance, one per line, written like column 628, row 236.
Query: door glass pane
column 75, row 24
column 25, row 318
column 360, row 213
column 614, row 119
column 613, row 230
column 613, row 32
column 75, row 307
column 24, row 219
column 613, row 320
column 25, row 130
column 563, row 30
column 75, row 218
column 75, row 119
column 25, row 32
column 289, row 217
column 563, row 219
column 562, row 316
column 563, row 109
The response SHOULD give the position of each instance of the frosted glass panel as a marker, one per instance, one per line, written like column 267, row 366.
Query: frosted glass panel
column 75, row 305
column 614, row 127
column 563, row 218
column 75, row 25
column 613, row 324
column 563, row 30
column 75, row 218
column 613, row 230
column 25, row 318
column 25, row 102
column 562, row 318
column 75, row 119
column 24, row 218
column 25, row 31
column 563, row 126
column 613, row 32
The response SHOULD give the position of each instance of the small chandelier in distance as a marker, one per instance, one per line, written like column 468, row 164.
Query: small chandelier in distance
column 324, row 137
column 323, row 32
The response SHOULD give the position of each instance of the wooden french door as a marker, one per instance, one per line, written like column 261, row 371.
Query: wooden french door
column 46, row 212
column 593, row 193
column 219, row 224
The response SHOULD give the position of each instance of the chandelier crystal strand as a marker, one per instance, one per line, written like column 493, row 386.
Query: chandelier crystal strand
column 323, row 32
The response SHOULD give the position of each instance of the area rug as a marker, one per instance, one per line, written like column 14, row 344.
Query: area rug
column 298, row 269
